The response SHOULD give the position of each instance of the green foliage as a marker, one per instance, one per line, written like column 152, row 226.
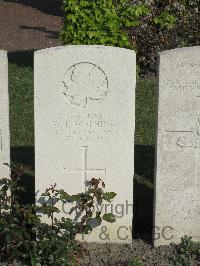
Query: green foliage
column 106, row 22
column 188, row 252
column 100, row 21
column 135, row 262
column 25, row 238
column 169, row 25
column 165, row 19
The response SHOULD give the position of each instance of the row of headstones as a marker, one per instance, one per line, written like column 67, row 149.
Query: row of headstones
column 84, row 127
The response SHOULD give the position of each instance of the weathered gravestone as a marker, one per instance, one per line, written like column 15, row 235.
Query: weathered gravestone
column 4, row 117
column 84, row 126
column 177, row 195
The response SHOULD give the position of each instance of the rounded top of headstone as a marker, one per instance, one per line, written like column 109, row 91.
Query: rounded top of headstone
column 192, row 49
column 84, row 47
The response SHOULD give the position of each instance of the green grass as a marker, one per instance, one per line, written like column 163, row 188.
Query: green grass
column 21, row 99
column 22, row 133
column 22, row 117
column 145, row 112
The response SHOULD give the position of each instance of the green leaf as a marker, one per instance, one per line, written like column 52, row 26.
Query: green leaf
column 71, row 17
column 74, row 198
column 108, row 196
column 84, row 3
column 87, row 229
column 109, row 217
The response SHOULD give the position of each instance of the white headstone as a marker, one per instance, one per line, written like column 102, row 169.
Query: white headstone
column 177, row 182
column 84, row 125
column 4, row 117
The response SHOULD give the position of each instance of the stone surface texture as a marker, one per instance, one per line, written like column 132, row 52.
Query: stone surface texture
column 4, row 117
column 84, row 126
column 177, row 181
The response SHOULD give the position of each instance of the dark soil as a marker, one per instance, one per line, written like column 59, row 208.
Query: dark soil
column 123, row 255
column 137, row 254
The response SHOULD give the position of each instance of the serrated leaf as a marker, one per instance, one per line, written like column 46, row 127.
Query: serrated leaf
column 108, row 196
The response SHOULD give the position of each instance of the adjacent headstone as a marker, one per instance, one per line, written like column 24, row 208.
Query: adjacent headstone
column 4, row 117
column 84, row 126
column 177, row 182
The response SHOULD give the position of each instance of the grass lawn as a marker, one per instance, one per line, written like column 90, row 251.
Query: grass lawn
column 22, row 133
column 21, row 99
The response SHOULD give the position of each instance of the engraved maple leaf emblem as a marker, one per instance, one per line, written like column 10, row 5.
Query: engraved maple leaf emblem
column 84, row 82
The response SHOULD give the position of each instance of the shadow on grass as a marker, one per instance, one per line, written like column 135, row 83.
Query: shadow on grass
column 25, row 157
column 144, row 162
column 143, row 192
column 21, row 58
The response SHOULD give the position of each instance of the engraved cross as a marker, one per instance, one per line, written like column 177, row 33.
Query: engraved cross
column 190, row 139
column 85, row 171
